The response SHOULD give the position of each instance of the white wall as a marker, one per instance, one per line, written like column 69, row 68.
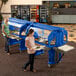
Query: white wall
column 58, row 0
column 27, row 2
column 6, row 8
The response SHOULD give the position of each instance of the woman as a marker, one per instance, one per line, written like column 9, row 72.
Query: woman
column 30, row 44
column 5, row 32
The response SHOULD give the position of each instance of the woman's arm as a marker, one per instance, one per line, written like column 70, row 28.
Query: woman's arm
column 27, row 44
column 4, row 31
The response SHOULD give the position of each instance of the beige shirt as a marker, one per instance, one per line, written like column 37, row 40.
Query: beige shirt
column 32, row 44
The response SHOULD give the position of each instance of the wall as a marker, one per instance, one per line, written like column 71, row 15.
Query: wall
column 58, row 0
column 64, row 19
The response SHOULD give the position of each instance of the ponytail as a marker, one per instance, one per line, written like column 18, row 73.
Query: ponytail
column 30, row 32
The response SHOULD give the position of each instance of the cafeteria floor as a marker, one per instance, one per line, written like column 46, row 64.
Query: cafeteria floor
column 12, row 65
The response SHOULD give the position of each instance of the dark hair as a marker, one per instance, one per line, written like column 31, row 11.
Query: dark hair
column 30, row 32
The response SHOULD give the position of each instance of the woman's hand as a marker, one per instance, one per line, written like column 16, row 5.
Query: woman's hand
column 32, row 49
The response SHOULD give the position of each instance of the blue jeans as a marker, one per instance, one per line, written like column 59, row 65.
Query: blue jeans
column 7, row 44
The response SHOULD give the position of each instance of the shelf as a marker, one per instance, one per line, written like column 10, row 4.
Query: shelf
column 32, row 12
